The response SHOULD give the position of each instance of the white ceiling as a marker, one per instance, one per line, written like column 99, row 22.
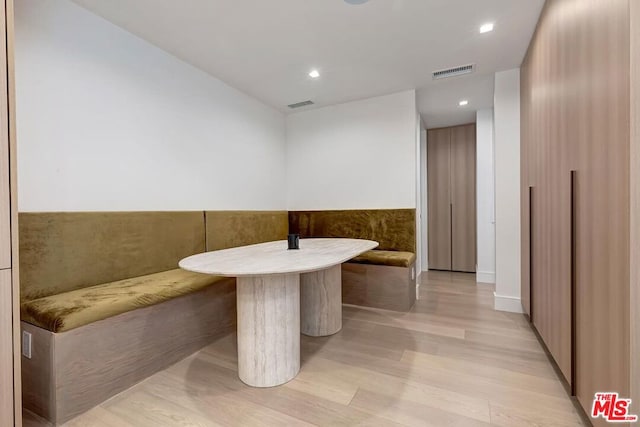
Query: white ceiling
column 266, row 48
column 438, row 101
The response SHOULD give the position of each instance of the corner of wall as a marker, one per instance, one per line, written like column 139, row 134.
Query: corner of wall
column 486, row 277
column 506, row 138
column 507, row 303
column 485, row 197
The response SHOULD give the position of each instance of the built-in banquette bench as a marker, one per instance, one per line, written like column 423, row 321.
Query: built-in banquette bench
column 382, row 278
column 106, row 305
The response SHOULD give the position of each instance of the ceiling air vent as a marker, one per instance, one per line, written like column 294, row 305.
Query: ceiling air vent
column 300, row 104
column 455, row 71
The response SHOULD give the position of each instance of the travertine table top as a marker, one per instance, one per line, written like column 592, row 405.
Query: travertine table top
column 274, row 257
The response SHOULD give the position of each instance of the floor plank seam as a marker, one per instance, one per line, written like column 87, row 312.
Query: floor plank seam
column 382, row 368
column 353, row 397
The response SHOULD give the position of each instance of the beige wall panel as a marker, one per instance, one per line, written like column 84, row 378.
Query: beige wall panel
column 13, row 162
column 5, row 195
column 10, row 402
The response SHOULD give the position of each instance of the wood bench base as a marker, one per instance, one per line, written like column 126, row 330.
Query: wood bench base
column 71, row 372
column 379, row 286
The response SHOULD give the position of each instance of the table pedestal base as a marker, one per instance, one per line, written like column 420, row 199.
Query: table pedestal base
column 321, row 302
column 268, row 329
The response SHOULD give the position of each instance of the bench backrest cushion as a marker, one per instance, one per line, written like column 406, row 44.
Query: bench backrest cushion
column 230, row 229
column 394, row 229
column 62, row 251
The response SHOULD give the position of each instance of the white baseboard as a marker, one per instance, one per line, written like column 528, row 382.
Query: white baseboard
column 505, row 303
column 485, row 277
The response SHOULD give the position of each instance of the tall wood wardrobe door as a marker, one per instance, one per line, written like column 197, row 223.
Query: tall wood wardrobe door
column 439, row 198
column 463, row 198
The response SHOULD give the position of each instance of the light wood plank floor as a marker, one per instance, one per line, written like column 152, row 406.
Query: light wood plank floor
column 451, row 361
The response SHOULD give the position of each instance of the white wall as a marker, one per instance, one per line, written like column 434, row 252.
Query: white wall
column 358, row 155
column 507, row 179
column 418, row 203
column 107, row 121
column 423, row 198
column 485, row 200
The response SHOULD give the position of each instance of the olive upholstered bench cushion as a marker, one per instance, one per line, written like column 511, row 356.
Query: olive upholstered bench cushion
column 65, row 251
column 99, row 287
column 81, row 267
column 389, row 258
column 69, row 310
column 382, row 278
column 393, row 229
column 230, row 229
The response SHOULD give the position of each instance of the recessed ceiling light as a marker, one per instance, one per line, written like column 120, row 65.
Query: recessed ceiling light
column 356, row 1
column 486, row 28
column 463, row 103
column 314, row 74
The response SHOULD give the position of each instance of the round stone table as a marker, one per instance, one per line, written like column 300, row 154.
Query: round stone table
column 272, row 285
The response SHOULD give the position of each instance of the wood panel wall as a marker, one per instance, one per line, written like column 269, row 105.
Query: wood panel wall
column 576, row 116
column 10, row 402
column 634, row 213
column 463, row 198
column 439, row 198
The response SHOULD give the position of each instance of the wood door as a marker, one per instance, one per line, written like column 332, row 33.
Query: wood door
column 463, row 198
column 602, row 206
column 439, row 198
